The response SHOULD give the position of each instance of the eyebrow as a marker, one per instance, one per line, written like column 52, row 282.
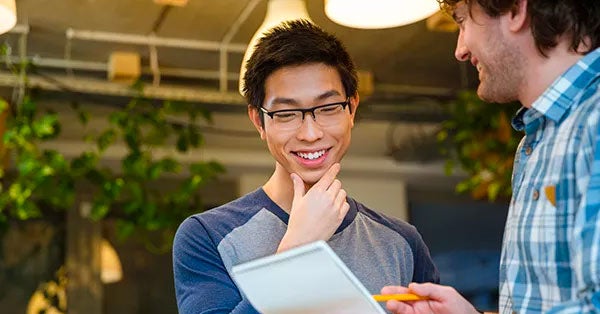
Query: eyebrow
column 291, row 101
column 328, row 94
column 284, row 101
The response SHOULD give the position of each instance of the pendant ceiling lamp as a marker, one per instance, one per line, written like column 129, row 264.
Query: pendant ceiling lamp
column 373, row 14
column 8, row 15
column 278, row 11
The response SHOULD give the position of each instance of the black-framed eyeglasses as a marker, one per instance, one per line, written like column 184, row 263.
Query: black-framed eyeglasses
column 324, row 115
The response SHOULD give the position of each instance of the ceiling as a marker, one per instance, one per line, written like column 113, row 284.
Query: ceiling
column 410, row 64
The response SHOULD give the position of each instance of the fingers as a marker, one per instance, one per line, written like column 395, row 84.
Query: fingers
column 334, row 188
column 398, row 307
column 298, row 186
column 328, row 178
column 433, row 291
column 340, row 202
column 394, row 290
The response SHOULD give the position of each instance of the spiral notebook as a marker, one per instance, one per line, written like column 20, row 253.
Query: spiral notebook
column 307, row 279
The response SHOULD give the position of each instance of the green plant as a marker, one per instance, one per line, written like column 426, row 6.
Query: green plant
column 40, row 178
column 478, row 138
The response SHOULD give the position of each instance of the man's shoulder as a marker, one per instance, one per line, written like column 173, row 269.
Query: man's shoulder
column 229, row 215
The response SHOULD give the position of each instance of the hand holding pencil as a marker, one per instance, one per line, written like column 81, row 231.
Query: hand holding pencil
column 424, row 298
column 398, row 297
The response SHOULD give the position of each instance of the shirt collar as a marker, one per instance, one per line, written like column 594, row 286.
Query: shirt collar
column 517, row 121
column 526, row 120
column 560, row 96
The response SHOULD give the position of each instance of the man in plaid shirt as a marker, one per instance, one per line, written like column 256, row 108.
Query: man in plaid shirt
column 544, row 54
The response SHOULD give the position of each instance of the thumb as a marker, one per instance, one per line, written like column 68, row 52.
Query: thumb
column 298, row 186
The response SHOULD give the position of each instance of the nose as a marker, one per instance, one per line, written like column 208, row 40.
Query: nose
column 461, row 53
column 310, row 130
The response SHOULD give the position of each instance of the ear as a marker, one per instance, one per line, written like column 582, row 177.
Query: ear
column 517, row 16
column 254, row 116
column 354, row 101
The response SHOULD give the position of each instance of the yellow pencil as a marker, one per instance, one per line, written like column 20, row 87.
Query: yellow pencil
column 398, row 297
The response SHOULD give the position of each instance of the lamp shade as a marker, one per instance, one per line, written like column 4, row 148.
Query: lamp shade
column 8, row 15
column 372, row 14
column 110, row 264
column 278, row 11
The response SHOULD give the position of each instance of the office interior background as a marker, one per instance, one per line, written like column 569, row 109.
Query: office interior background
column 78, row 61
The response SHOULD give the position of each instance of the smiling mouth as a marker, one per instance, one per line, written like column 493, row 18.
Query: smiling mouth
column 311, row 155
column 476, row 64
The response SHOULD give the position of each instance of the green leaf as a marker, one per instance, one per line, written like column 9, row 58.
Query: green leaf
column 118, row 118
column 463, row 186
column 124, row 229
column 84, row 162
column 170, row 165
column 106, row 139
column 138, row 86
column 132, row 138
column 182, row 142
column 194, row 136
column 493, row 190
column 19, row 193
column 157, row 136
column 135, row 190
column 442, row 135
column 132, row 207
column 27, row 210
column 28, row 108
column 100, row 208
column 84, row 117
column 3, row 105
column 27, row 166
column 113, row 188
column 95, row 176
column 135, row 164
column 46, row 126
column 206, row 114
column 216, row 167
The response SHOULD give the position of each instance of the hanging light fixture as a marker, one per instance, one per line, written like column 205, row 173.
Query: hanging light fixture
column 110, row 264
column 8, row 15
column 278, row 11
column 372, row 14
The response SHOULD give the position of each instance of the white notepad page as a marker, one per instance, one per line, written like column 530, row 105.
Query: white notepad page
column 307, row 279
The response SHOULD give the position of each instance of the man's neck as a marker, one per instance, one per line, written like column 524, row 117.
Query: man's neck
column 542, row 71
column 280, row 188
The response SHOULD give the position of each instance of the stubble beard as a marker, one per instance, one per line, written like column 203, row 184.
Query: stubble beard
column 503, row 75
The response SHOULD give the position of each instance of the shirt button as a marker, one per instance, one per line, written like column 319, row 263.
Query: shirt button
column 528, row 150
column 536, row 195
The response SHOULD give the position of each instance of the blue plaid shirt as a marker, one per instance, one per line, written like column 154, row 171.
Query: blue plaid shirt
column 551, row 251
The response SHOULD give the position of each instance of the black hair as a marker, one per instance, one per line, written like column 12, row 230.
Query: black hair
column 295, row 43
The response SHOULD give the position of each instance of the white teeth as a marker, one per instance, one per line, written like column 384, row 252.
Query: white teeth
column 313, row 155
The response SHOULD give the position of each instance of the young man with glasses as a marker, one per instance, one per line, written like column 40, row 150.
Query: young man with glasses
column 301, row 88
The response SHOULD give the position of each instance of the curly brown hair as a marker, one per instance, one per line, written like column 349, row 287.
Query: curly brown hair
column 550, row 19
